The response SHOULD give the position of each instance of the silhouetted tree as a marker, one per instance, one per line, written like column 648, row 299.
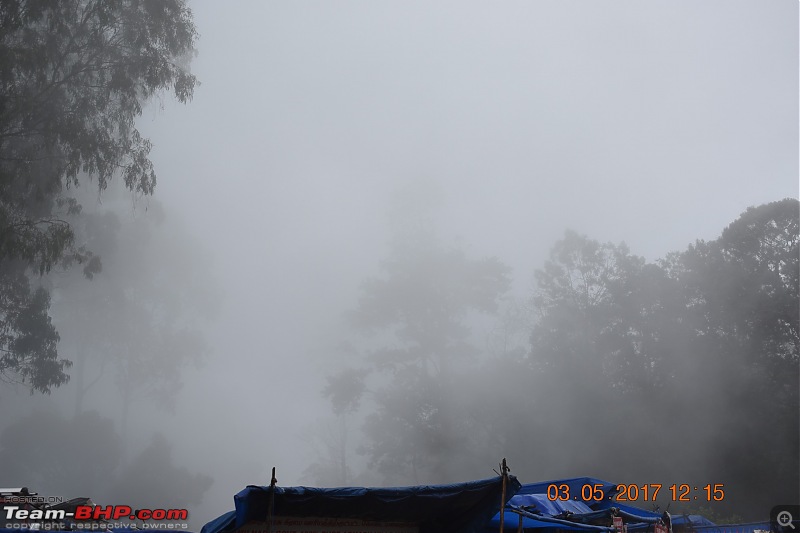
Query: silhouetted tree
column 699, row 351
column 419, row 311
column 595, row 351
column 742, row 300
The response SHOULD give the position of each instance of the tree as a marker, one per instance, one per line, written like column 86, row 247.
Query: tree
column 595, row 304
column 420, row 311
column 743, row 299
column 594, row 349
column 74, row 76
column 698, row 352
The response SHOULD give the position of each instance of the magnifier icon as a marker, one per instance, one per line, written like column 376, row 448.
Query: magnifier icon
column 785, row 519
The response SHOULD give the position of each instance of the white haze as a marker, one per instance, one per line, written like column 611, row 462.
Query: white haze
column 655, row 123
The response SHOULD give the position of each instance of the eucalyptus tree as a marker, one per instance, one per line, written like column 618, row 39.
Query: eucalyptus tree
column 74, row 76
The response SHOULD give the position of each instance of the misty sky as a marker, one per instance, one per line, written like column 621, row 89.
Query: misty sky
column 655, row 122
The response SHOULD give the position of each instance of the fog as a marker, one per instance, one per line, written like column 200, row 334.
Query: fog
column 318, row 128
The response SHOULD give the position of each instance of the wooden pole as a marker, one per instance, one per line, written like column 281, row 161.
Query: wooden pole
column 271, row 507
column 504, row 477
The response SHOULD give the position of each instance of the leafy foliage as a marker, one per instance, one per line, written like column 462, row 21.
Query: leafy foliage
column 345, row 389
column 28, row 339
column 74, row 76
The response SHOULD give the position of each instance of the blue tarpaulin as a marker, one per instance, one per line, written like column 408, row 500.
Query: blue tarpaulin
column 533, row 497
column 541, row 504
column 456, row 508
column 543, row 510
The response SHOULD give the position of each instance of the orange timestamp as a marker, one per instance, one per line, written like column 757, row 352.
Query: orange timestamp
column 632, row 493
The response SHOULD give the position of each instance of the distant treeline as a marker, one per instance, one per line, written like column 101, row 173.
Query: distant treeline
column 680, row 371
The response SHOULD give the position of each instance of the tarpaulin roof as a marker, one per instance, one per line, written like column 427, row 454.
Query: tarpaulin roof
column 456, row 508
column 547, row 511
column 533, row 497
column 541, row 504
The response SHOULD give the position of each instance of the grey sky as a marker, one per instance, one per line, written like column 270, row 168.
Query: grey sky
column 650, row 122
